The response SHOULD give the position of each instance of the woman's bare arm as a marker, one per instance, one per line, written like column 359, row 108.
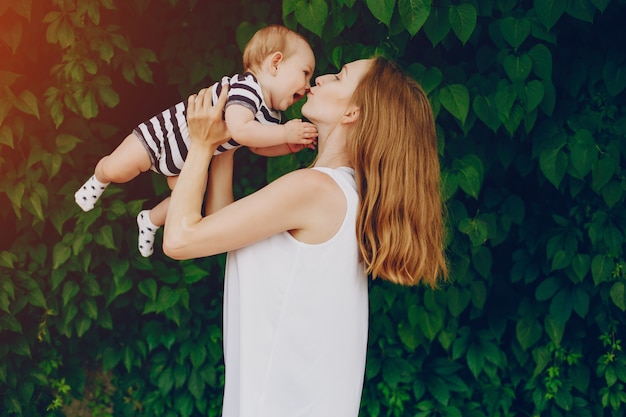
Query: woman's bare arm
column 220, row 183
column 307, row 203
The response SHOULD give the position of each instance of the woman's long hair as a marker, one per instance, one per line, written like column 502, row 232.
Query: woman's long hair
column 393, row 148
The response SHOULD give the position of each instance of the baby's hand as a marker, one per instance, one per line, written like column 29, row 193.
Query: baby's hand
column 299, row 132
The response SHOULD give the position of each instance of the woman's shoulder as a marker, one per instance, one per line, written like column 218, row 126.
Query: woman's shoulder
column 310, row 179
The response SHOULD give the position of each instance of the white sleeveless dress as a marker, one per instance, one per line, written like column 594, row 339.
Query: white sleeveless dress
column 296, row 322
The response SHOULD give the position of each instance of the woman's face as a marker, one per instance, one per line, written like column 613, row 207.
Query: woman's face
column 328, row 100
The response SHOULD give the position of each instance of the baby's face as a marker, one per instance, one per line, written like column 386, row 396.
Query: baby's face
column 293, row 78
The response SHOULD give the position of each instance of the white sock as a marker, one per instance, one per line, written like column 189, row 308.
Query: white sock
column 89, row 193
column 147, row 232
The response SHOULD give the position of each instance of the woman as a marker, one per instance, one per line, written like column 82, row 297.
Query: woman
column 295, row 309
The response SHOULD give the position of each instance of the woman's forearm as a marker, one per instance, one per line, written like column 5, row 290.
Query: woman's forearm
column 220, row 185
column 186, row 200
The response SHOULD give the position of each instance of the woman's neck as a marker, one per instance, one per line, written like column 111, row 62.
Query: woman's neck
column 332, row 148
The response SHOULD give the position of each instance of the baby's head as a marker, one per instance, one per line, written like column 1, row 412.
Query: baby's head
column 283, row 62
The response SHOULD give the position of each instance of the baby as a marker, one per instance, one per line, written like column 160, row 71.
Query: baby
column 278, row 64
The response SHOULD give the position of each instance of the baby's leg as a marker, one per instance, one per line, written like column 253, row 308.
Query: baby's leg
column 149, row 221
column 127, row 161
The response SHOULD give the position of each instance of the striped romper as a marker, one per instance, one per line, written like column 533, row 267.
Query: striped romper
column 166, row 137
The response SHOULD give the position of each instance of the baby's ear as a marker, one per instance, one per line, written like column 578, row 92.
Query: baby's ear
column 275, row 59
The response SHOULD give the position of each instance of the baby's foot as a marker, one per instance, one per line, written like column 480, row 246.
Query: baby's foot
column 89, row 193
column 147, row 232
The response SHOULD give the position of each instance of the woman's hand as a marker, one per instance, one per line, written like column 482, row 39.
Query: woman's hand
column 205, row 122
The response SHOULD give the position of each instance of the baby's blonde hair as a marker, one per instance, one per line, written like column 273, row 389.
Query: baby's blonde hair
column 266, row 41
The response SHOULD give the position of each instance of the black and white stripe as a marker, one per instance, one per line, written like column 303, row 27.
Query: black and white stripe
column 166, row 136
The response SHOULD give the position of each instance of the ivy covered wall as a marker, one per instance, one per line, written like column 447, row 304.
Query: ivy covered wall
column 531, row 115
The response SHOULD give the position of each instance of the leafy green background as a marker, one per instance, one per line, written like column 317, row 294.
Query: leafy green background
column 531, row 117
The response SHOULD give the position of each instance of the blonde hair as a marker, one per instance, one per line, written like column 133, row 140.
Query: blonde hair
column 393, row 148
column 266, row 41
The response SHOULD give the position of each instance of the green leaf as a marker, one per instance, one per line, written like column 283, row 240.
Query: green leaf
column 614, row 76
column 396, row 370
column 198, row 355
column 485, row 109
column 518, row 68
column 463, row 20
column 478, row 289
column 542, row 61
column 475, row 229
column 110, row 358
column 430, row 322
column 82, row 324
column 547, row 288
column 104, row 237
column 414, row 13
column 90, row 308
column 455, row 98
column 12, row 34
column 70, row 289
column 152, row 334
column 60, row 253
column 165, row 381
column 581, row 264
column 505, row 97
column 312, row 15
column 88, row 106
column 437, row 25
column 583, row 152
column 528, row 332
column 108, row 96
column 580, row 299
column 193, row 273
column 27, row 102
column 612, row 193
column 6, row 136
column 602, row 171
column 554, row 329
column 549, row 11
column 553, row 164
column 482, row 261
column 602, row 268
column 7, row 260
column 533, row 95
column 409, row 336
column 148, row 287
column 429, row 78
column 601, row 4
column 475, row 359
column 128, row 355
column 196, row 385
column 184, row 404
column 382, row 9
column 167, row 298
column 562, row 259
column 449, row 185
column 469, row 174
column 20, row 346
column 581, row 9
column 617, row 295
column 458, row 300
column 66, row 143
column 515, row 31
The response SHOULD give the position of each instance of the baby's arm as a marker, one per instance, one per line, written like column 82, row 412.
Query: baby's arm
column 247, row 131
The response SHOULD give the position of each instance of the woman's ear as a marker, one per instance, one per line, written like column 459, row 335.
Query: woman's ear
column 275, row 59
column 351, row 115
